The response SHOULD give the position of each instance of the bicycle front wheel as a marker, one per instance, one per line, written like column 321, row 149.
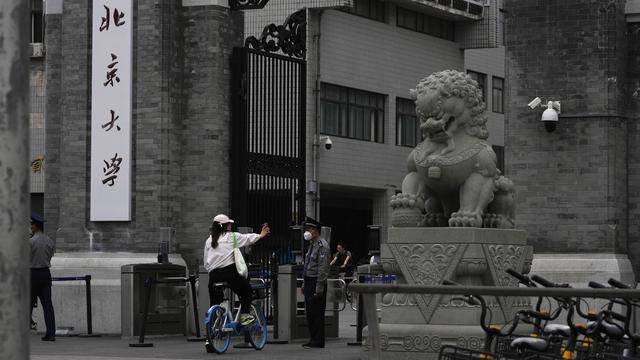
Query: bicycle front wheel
column 257, row 330
column 218, row 338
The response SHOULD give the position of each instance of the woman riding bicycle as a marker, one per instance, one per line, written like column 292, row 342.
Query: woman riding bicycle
column 220, row 263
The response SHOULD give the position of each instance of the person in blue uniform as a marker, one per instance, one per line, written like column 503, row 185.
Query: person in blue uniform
column 314, row 288
column 42, row 250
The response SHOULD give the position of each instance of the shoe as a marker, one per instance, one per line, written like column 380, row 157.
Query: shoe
column 48, row 338
column 246, row 319
column 310, row 345
column 208, row 346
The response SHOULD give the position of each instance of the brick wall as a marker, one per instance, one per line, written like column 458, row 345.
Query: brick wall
column 632, row 98
column 571, row 184
column 181, row 126
column 210, row 34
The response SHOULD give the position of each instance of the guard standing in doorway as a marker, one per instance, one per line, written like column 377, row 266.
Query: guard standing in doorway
column 315, row 273
column 42, row 250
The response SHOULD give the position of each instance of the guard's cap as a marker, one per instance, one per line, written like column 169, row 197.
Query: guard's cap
column 37, row 218
column 310, row 222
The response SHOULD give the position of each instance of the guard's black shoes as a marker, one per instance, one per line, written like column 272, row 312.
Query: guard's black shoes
column 48, row 338
column 312, row 345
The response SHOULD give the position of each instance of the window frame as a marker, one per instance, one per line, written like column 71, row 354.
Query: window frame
column 483, row 85
column 401, row 117
column 379, row 5
column 497, row 101
column 361, row 114
column 426, row 24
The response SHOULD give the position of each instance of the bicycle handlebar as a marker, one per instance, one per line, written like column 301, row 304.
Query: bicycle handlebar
column 546, row 283
column 523, row 279
column 597, row 285
column 618, row 284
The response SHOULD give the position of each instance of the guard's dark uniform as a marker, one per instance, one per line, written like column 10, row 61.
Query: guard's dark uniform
column 315, row 273
column 42, row 249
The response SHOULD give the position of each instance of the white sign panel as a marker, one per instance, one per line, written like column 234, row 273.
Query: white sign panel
column 111, row 82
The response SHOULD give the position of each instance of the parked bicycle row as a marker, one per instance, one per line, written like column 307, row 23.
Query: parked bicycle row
column 557, row 327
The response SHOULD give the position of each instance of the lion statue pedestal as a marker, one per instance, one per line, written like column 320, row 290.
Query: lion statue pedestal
column 416, row 326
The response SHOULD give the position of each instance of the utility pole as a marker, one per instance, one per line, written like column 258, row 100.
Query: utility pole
column 14, row 180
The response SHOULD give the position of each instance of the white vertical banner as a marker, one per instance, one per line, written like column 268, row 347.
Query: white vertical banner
column 111, row 82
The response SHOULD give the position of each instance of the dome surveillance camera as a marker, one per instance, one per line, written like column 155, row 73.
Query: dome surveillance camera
column 535, row 102
column 328, row 143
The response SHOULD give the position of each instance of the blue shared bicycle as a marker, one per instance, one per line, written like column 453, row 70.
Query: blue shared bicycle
column 221, row 323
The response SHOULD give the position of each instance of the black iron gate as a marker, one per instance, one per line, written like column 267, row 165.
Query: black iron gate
column 268, row 151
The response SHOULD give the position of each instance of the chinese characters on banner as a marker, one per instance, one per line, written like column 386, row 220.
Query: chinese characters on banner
column 111, row 82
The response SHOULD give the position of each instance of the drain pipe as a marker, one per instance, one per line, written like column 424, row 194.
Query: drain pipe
column 316, row 133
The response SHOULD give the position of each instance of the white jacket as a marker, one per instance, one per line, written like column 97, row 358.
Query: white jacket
column 223, row 255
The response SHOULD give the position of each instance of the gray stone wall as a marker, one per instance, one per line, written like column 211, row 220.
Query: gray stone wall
column 209, row 36
column 67, row 113
column 181, row 126
column 571, row 184
column 632, row 97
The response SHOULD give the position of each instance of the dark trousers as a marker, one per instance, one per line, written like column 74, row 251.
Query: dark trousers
column 314, row 307
column 239, row 285
column 41, row 288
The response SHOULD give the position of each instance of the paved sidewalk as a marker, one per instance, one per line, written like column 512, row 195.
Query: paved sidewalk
column 178, row 348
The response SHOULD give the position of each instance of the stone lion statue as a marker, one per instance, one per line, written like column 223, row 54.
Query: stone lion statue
column 452, row 176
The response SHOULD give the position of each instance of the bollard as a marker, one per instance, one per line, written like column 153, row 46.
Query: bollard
column 148, row 283
column 194, row 298
column 87, row 282
column 274, row 292
column 360, row 321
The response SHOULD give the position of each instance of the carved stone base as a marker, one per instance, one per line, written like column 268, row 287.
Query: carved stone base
column 415, row 326
column 423, row 341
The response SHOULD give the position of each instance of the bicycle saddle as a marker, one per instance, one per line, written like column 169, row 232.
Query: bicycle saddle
column 558, row 329
column 611, row 330
column 533, row 343
column 223, row 284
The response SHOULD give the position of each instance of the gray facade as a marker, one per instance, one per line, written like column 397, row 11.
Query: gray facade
column 577, row 186
column 181, row 125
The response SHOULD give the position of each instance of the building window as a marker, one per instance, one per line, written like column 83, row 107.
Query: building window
column 352, row 113
column 409, row 19
column 371, row 9
column 37, row 22
column 481, row 79
column 499, row 150
column 407, row 129
column 497, row 95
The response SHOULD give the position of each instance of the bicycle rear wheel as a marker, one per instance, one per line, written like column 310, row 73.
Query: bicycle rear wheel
column 257, row 330
column 218, row 338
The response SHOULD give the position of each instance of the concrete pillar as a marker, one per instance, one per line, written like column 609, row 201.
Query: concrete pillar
column 14, row 199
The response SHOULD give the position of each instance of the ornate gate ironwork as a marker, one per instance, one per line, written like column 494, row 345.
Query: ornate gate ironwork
column 268, row 151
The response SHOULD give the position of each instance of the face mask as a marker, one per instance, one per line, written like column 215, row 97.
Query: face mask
column 307, row 235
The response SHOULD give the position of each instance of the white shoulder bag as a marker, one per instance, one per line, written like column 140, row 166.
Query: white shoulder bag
column 241, row 266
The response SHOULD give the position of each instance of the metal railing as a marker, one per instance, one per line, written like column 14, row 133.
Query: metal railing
column 368, row 295
column 87, row 281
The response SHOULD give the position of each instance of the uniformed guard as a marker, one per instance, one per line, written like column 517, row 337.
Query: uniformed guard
column 314, row 288
column 42, row 250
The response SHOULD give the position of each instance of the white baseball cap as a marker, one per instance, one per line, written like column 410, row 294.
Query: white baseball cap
column 222, row 219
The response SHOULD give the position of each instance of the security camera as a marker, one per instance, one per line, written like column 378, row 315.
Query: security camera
column 535, row 102
column 328, row 143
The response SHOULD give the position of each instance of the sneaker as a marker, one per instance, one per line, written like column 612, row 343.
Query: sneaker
column 208, row 346
column 246, row 319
